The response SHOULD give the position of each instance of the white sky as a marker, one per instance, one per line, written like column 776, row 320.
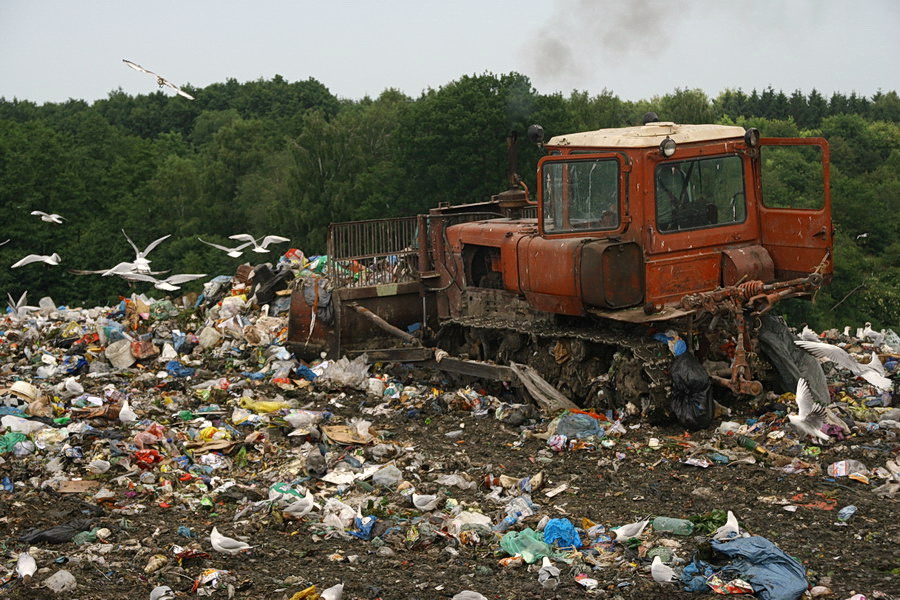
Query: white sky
column 53, row 50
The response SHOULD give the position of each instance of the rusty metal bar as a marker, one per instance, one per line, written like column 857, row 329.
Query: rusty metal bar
column 384, row 325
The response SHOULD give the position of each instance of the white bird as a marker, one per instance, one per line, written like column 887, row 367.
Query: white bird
column 20, row 310
column 259, row 246
column 862, row 235
column 301, row 506
column 548, row 576
column 160, row 81
column 876, row 336
column 221, row 543
column 48, row 217
column 729, row 530
column 52, row 260
column 630, row 530
column 162, row 592
column 808, row 334
column 232, row 252
column 841, row 358
column 335, row 592
column 26, row 567
column 875, row 365
column 811, row 415
column 661, row 573
column 846, row 331
column 142, row 265
column 126, row 414
column 2, row 243
column 169, row 284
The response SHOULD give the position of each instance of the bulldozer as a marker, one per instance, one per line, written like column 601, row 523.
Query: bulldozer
column 695, row 231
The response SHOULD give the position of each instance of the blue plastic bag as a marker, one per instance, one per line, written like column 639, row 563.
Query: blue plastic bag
column 561, row 532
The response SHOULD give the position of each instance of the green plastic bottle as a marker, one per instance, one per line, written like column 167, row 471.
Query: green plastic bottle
column 671, row 525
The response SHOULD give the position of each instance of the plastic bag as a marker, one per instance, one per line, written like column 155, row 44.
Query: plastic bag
column 528, row 543
column 561, row 532
column 692, row 400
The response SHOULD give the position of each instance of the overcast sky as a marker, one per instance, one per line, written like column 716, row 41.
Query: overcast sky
column 53, row 50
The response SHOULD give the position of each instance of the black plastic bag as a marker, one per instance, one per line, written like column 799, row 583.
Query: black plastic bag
column 692, row 399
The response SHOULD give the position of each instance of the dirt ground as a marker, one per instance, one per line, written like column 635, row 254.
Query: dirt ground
column 414, row 557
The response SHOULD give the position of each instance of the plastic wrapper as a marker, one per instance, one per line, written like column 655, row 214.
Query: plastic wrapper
column 692, row 400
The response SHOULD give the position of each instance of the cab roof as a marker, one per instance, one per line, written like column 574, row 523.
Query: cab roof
column 647, row 136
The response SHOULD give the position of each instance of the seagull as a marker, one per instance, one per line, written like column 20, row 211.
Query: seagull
column 875, row 365
column 661, row 573
column 160, row 81
column 729, row 530
column 232, row 252
column 126, row 414
column 548, row 576
column 811, row 415
column 19, row 309
column 49, row 218
column 221, row 543
column 52, row 260
column 26, row 567
column 842, row 359
column 142, row 265
column 808, row 334
column 2, row 243
column 335, row 592
column 259, row 246
column 876, row 337
column 630, row 530
column 169, row 284
column 301, row 506
column 862, row 235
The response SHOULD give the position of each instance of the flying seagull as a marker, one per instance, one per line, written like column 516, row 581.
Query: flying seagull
column 808, row 334
column 53, row 259
column 19, row 309
column 811, row 415
column 6, row 242
column 259, row 246
column 161, row 81
column 142, row 265
column 841, row 358
column 169, row 284
column 49, row 218
column 222, row 543
column 232, row 252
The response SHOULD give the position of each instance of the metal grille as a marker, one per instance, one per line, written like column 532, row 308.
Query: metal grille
column 372, row 252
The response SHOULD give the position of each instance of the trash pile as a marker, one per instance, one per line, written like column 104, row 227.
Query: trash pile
column 161, row 450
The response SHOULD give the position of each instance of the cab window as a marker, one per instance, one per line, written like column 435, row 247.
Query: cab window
column 700, row 193
column 580, row 195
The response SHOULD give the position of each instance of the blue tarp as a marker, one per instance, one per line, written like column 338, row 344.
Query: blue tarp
column 773, row 574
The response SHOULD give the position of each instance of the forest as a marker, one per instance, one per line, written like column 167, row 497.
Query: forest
column 288, row 158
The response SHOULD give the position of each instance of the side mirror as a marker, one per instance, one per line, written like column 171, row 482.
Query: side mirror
column 536, row 134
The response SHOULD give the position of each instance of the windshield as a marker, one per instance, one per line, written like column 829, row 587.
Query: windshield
column 694, row 194
column 580, row 195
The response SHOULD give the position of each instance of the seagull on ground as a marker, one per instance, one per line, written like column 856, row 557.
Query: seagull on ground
column 52, row 259
column 48, row 217
column 841, row 358
column 301, row 507
column 26, row 566
column 232, row 252
column 630, row 530
column 811, row 415
column 877, row 337
column 661, row 573
column 126, row 414
column 19, row 309
column 169, row 284
column 259, row 245
column 222, row 543
column 808, row 334
column 729, row 530
column 160, row 80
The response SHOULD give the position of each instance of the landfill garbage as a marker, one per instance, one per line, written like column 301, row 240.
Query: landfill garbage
column 216, row 426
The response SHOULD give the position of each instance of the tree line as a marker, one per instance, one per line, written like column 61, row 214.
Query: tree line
column 288, row 158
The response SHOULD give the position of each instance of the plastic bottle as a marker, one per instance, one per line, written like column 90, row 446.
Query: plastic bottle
column 506, row 523
column 751, row 444
column 671, row 525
